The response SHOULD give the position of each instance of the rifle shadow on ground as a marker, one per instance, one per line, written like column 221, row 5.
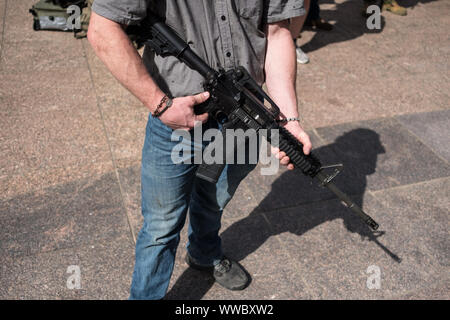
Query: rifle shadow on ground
column 358, row 150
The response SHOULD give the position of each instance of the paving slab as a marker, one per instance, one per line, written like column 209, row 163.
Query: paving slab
column 51, row 140
column 422, row 209
column 29, row 181
column 56, row 56
column 392, row 72
column 243, row 202
column 363, row 92
column 125, row 126
column 439, row 292
column 250, row 242
column 421, row 54
column 327, row 242
column 63, row 89
column 2, row 19
column 65, row 128
column 105, row 269
column 336, row 95
column 426, row 8
column 62, row 216
column 129, row 171
column 381, row 154
column 432, row 128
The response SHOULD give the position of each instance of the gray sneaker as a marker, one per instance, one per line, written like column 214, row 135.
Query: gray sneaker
column 228, row 273
column 301, row 56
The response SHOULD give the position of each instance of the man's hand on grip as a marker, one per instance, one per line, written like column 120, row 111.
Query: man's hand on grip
column 181, row 114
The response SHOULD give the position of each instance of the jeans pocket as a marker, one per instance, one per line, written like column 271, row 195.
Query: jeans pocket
column 157, row 142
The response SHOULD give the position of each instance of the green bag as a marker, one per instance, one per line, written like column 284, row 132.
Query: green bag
column 53, row 15
column 48, row 16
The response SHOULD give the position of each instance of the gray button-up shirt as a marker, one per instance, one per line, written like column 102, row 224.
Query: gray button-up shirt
column 225, row 33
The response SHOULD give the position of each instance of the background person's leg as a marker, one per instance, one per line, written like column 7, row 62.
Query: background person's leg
column 314, row 20
column 313, row 12
column 295, row 27
column 296, row 24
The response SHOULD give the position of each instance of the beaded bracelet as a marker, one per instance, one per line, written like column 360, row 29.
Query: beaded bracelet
column 288, row 119
column 159, row 112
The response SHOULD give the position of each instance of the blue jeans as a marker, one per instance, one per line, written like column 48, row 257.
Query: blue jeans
column 168, row 191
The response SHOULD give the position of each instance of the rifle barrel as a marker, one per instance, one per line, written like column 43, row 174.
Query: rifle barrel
column 322, row 178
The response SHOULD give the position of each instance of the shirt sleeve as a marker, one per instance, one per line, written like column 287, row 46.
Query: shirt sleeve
column 127, row 12
column 278, row 10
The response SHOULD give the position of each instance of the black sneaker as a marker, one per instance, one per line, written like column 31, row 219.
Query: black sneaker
column 228, row 273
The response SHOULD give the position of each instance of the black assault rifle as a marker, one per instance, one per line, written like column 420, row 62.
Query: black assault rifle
column 235, row 102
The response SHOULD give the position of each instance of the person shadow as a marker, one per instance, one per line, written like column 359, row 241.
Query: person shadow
column 296, row 205
column 412, row 3
column 349, row 24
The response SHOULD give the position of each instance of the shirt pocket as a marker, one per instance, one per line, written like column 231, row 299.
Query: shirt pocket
column 250, row 9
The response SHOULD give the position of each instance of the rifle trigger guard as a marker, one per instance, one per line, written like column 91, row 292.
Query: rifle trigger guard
column 337, row 169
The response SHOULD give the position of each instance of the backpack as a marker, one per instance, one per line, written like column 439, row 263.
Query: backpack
column 54, row 15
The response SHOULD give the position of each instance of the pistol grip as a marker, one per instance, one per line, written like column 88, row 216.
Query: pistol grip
column 210, row 172
column 202, row 107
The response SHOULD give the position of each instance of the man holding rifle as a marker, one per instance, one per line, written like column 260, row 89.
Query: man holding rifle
column 226, row 34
